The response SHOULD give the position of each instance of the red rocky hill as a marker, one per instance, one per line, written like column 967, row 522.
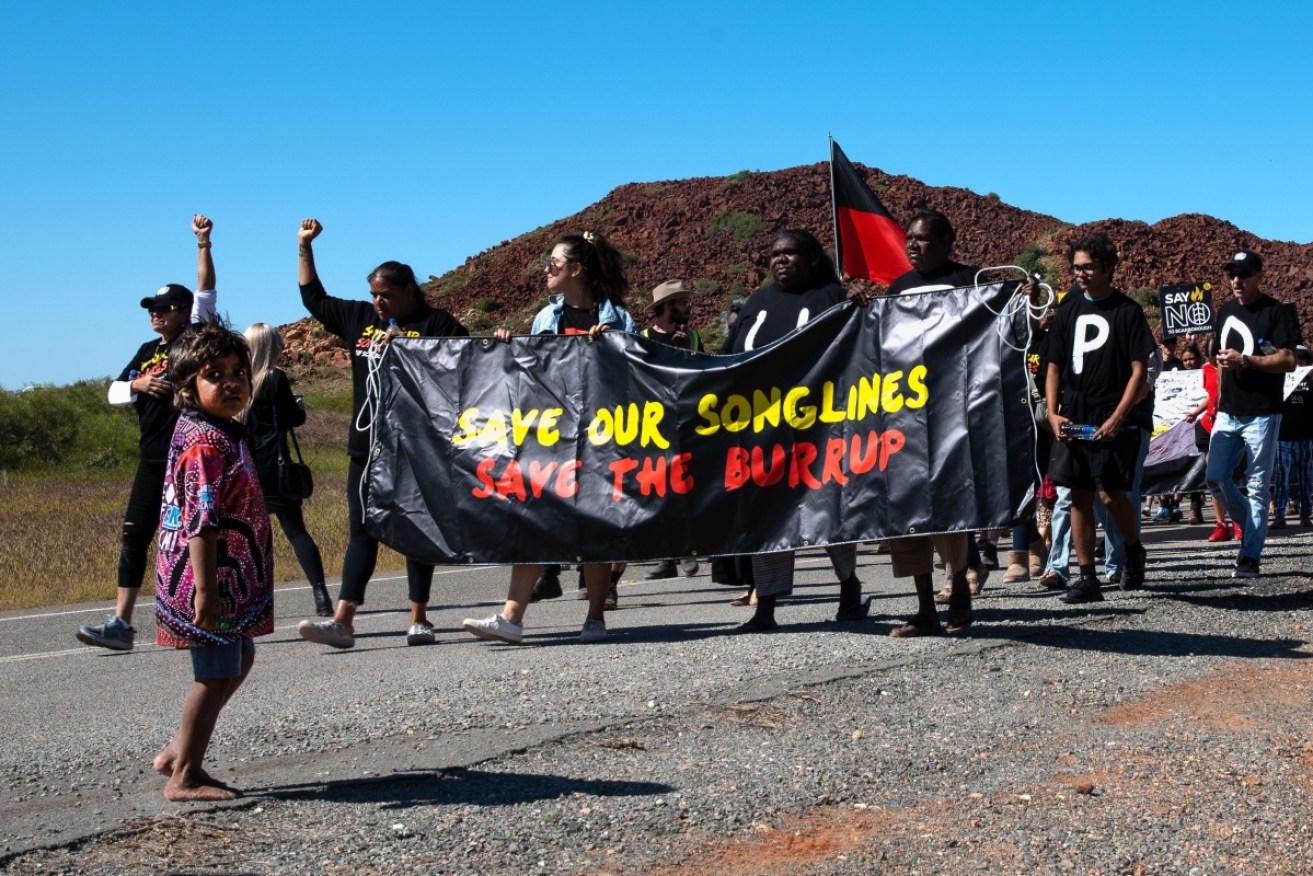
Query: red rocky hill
column 715, row 232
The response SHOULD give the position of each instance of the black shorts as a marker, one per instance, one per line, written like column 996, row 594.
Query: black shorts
column 1089, row 465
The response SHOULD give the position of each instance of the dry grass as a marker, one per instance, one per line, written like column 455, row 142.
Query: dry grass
column 59, row 534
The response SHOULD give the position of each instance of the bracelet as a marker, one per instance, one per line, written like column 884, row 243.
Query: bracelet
column 202, row 244
column 303, row 250
column 1244, row 360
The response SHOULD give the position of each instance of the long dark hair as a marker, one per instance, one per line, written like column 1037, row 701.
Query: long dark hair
column 398, row 274
column 604, row 271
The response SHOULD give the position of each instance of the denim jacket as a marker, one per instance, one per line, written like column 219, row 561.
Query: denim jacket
column 613, row 316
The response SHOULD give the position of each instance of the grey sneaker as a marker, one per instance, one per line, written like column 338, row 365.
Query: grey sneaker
column 688, row 567
column 497, row 628
column 1247, row 567
column 113, row 634
column 327, row 632
column 420, row 634
column 594, row 631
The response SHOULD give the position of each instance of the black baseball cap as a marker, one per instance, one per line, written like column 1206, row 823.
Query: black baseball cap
column 1243, row 264
column 172, row 295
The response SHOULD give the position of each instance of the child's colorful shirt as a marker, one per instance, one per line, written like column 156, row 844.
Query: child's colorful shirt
column 210, row 481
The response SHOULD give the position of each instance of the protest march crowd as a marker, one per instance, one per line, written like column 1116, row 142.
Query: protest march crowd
column 216, row 412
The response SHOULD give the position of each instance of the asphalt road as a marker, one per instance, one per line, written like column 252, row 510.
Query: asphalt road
column 80, row 725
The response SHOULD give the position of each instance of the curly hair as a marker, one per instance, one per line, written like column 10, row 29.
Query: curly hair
column 604, row 270
column 199, row 344
column 1098, row 246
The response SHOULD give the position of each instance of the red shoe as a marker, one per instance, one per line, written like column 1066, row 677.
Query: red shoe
column 1220, row 533
column 1239, row 533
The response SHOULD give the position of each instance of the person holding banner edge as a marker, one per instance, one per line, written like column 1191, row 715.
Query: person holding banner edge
column 397, row 302
column 586, row 279
column 930, row 237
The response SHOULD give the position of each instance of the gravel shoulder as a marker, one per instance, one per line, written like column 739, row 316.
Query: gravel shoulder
column 1163, row 731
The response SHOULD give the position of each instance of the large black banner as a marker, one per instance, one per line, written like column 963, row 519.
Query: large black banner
column 909, row 416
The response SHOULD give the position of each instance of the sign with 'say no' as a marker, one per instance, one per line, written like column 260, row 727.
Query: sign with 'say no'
column 1185, row 308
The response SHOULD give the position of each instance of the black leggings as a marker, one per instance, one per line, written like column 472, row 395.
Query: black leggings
column 292, row 522
column 140, row 520
column 362, row 550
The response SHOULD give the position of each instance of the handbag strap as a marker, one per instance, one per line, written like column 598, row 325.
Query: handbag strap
column 278, row 445
column 296, row 448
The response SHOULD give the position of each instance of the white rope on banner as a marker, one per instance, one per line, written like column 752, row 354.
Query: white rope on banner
column 1034, row 315
column 367, row 418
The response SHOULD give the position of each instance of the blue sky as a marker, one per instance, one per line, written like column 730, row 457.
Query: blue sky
column 429, row 132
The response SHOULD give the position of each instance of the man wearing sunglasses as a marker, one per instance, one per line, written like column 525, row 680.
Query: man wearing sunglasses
column 144, row 384
column 1256, row 337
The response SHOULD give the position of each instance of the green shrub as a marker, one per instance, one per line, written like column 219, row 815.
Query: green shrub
column 486, row 305
column 1030, row 257
column 735, row 269
column 1147, row 296
column 738, row 177
column 39, row 426
column 739, row 224
column 705, row 287
column 452, row 281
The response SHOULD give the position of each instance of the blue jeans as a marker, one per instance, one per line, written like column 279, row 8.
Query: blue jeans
column 1232, row 437
column 1114, row 542
column 1296, row 456
column 1060, row 532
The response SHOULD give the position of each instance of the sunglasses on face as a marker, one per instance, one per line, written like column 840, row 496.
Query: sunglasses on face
column 167, row 308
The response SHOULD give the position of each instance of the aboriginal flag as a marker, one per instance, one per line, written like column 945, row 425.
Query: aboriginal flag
column 869, row 243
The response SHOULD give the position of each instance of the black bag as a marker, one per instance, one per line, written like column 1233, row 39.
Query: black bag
column 295, row 480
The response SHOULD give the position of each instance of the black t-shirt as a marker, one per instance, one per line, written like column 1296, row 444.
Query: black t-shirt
column 356, row 323
column 950, row 275
column 770, row 313
column 1297, row 413
column 577, row 320
column 1094, row 343
column 1245, row 391
column 155, row 416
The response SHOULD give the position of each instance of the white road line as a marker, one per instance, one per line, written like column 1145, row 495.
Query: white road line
column 103, row 609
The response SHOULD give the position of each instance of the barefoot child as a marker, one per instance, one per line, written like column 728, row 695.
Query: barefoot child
column 214, row 577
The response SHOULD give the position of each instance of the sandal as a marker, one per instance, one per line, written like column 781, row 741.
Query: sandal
column 942, row 597
column 917, row 627
column 981, row 575
column 1051, row 580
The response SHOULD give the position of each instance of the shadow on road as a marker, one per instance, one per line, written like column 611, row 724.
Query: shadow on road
column 454, row 786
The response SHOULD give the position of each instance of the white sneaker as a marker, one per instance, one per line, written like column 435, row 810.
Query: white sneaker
column 497, row 628
column 420, row 634
column 594, row 631
column 327, row 632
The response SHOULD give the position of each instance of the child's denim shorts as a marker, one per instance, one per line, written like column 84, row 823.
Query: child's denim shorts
column 220, row 661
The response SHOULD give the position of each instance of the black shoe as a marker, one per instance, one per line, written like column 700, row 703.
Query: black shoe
column 1132, row 578
column 612, row 599
column 854, row 612
column 988, row 553
column 548, row 586
column 323, row 602
column 1083, row 590
column 664, row 569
